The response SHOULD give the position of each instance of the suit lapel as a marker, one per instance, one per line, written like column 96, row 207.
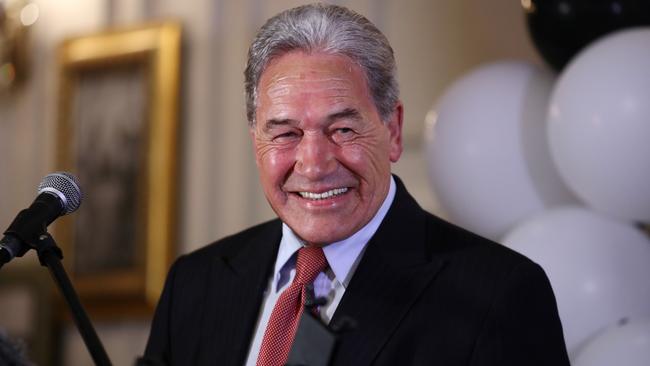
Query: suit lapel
column 235, row 290
column 396, row 267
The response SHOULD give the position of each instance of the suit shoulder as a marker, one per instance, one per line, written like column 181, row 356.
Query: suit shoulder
column 232, row 244
column 487, row 272
column 459, row 243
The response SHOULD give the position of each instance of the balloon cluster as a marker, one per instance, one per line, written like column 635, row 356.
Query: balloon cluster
column 558, row 168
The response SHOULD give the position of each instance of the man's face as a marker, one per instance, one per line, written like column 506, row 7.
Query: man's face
column 321, row 148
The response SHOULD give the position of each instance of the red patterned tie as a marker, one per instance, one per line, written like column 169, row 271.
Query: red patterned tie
column 285, row 317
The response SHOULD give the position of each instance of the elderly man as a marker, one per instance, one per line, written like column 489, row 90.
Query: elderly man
column 326, row 124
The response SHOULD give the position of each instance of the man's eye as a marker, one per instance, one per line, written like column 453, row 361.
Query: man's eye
column 343, row 132
column 285, row 136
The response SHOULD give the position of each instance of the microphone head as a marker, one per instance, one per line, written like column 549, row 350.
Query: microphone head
column 65, row 186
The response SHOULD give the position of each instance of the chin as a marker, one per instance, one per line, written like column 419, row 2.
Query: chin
column 320, row 238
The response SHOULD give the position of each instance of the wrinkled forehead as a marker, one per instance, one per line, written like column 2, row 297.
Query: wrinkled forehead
column 314, row 71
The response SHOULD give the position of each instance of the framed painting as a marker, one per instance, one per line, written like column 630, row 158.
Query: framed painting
column 117, row 128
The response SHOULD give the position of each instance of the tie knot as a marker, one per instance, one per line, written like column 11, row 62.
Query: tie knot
column 311, row 261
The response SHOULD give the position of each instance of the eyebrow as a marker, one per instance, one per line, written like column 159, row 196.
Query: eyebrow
column 347, row 113
column 277, row 122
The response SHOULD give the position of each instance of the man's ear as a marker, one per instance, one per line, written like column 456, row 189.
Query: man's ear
column 394, row 125
column 251, row 133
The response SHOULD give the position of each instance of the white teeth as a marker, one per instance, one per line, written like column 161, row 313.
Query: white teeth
column 323, row 195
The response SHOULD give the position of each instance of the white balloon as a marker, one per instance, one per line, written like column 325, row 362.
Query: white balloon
column 627, row 344
column 599, row 125
column 487, row 152
column 599, row 267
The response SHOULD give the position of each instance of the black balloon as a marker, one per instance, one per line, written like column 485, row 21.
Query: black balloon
column 561, row 28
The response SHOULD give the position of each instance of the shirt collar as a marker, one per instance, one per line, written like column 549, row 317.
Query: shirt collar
column 342, row 255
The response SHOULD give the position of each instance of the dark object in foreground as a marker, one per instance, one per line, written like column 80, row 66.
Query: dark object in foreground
column 314, row 343
column 12, row 353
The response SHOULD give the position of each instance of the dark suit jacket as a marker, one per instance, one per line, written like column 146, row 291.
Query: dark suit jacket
column 425, row 293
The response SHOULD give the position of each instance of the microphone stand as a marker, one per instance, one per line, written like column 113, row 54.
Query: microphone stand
column 50, row 255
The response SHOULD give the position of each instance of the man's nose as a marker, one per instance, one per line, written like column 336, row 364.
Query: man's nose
column 315, row 157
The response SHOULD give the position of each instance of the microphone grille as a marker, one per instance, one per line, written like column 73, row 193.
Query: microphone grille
column 66, row 187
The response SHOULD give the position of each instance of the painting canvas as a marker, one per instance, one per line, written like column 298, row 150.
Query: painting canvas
column 109, row 141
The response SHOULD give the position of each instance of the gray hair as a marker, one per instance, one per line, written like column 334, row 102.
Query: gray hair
column 331, row 29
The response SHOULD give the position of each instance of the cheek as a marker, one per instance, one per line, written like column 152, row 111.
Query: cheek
column 274, row 163
column 363, row 157
column 353, row 156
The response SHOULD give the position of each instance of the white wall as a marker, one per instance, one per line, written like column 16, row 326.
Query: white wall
column 435, row 42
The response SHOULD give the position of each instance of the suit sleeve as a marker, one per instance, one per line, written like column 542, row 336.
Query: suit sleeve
column 158, row 350
column 523, row 326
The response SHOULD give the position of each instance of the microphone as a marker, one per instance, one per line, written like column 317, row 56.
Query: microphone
column 58, row 194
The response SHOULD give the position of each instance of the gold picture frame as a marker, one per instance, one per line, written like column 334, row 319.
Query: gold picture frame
column 117, row 128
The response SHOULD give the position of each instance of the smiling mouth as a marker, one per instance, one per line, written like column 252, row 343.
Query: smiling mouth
column 323, row 195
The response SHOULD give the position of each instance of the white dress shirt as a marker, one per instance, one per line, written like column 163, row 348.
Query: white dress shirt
column 342, row 256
